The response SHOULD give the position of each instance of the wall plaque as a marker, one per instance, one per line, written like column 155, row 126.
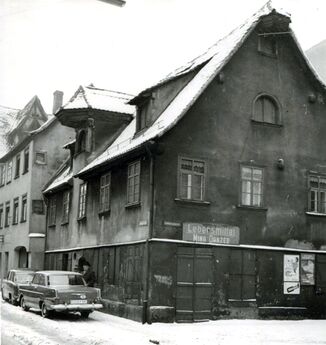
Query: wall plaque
column 211, row 233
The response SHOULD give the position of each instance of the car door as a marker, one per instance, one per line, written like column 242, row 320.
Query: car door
column 5, row 290
column 30, row 292
column 41, row 288
column 10, row 284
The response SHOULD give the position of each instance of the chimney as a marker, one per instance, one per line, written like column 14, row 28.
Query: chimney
column 57, row 100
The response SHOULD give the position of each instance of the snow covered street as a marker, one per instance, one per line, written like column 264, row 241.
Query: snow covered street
column 19, row 327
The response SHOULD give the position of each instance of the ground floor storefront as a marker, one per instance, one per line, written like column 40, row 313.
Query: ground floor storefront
column 169, row 280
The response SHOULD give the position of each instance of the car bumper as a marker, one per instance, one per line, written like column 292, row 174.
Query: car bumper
column 75, row 307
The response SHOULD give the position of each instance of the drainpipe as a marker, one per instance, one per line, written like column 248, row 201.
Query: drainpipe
column 150, row 149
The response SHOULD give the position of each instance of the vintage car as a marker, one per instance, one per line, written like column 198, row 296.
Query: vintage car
column 60, row 291
column 10, row 286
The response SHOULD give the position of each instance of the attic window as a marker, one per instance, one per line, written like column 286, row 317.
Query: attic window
column 81, row 142
column 267, row 45
column 144, row 114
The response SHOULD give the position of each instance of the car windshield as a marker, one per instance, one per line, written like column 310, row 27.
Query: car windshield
column 66, row 279
column 24, row 277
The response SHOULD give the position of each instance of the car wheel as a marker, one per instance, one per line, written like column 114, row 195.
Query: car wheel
column 23, row 305
column 84, row 314
column 11, row 300
column 45, row 312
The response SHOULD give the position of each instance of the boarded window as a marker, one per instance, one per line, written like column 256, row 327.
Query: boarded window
column 191, row 179
column 38, row 206
column 267, row 45
column 266, row 110
column 242, row 284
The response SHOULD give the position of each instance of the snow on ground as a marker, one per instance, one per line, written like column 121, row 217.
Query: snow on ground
column 19, row 327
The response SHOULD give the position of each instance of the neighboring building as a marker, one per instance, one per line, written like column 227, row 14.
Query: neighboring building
column 7, row 117
column 33, row 154
column 317, row 56
column 211, row 203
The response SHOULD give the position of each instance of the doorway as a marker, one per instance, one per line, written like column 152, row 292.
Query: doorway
column 194, row 284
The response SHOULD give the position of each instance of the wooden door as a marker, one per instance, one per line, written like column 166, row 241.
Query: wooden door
column 194, row 284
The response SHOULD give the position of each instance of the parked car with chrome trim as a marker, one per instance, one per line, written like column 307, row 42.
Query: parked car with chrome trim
column 11, row 284
column 60, row 291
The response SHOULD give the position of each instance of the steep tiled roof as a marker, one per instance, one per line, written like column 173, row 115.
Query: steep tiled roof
column 90, row 97
column 209, row 65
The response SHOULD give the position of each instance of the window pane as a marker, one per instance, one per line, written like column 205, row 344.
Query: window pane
column 198, row 187
column 314, row 181
column 256, row 200
column 246, row 173
column 322, row 183
column 258, row 111
column 257, row 188
column 313, row 201
column 199, row 167
column 257, row 174
column 246, row 187
column 186, row 164
column 322, row 202
column 245, row 200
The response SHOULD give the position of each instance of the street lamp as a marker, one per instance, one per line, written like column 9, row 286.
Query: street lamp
column 119, row 3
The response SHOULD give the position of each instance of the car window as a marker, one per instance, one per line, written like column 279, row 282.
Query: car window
column 12, row 276
column 66, row 279
column 8, row 275
column 23, row 278
column 36, row 279
column 42, row 280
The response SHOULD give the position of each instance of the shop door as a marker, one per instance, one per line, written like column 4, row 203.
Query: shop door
column 194, row 284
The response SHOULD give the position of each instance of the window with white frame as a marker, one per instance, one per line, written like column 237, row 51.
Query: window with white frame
column 23, row 217
column 105, row 183
column 26, row 160
column 15, row 211
column 133, row 186
column 251, row 186
column 1, row 216
column 317, row 194
column 192, row 179
column 40, row 157
column 52, row 210
column 7, row 214
column 82, row 200
column 65, row 206
column 17, row 166
column 9, row 171
column 2, row 174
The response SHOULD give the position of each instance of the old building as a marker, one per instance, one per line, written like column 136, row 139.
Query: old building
column 211, row 203
column 32, row 152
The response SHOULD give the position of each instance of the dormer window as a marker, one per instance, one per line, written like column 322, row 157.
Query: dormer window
column 266, row 110
column 81, row 142
column 144, row 114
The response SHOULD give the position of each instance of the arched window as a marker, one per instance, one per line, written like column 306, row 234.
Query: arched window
column 81, row 143
column 266, row 110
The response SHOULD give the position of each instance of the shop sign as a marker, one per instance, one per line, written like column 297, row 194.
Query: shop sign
column 211, row 233
column 308, row 269
column 291, row 274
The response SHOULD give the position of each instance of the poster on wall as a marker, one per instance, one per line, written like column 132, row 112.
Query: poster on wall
column 291, row 288
column 291, row 275
column 291, row 268
column 307, row 269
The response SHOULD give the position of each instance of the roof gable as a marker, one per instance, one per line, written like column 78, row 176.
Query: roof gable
column 209, row 65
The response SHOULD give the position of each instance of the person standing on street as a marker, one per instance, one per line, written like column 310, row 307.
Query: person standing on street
column 88, row 274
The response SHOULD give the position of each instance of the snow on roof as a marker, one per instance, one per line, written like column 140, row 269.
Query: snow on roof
column 61, row 179
column 7, row 117
column 92, row 97
column 218, row 56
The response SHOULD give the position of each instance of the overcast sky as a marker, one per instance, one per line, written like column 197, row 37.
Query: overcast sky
column 60, row 44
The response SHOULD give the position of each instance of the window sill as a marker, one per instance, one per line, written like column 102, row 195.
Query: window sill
column 66, row 222
column 133, row 205
column 16, row 177
column 104, row 213
column 51, row 225
column 254, row 208
column 192, row 202
column 81, row 219
column 23, row 221
column 267, row 124
column 25, row 172
column 316, row 214
column 9, row 182
column 15, row 223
